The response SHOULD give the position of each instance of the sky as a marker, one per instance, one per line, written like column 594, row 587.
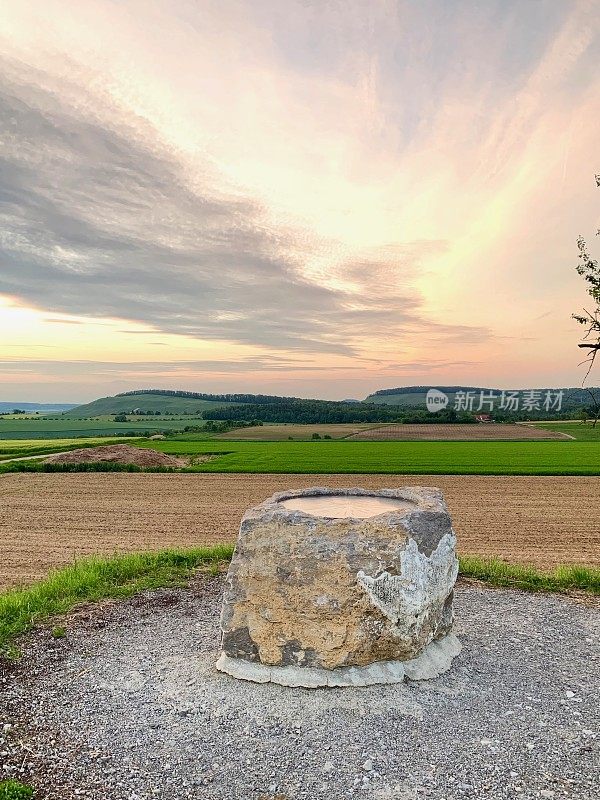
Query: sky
column 317, row 199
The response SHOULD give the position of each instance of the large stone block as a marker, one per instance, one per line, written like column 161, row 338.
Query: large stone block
column 341, row 587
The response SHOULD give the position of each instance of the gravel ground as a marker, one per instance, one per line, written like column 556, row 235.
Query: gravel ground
column 128, row 706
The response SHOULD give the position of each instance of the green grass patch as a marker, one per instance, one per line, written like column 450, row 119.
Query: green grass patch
column 12, row 445
column 409, row 458
column 562, row 579
column 19, row 448
column 342, row 456
column 89, row 466
column 13, row 790
column 145, row 401
column 579, row 431
column 122, row 576
column 62, row 427
column 95, row 579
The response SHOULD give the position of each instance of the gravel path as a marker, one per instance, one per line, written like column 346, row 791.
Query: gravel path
column 128, row 707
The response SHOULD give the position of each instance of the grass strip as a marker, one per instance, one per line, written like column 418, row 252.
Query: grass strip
column 8, row 453
column 562, row 579
column 95, row 579
column 84, row 466
column 122, row 576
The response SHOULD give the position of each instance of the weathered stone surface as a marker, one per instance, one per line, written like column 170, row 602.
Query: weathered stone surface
column 360, row 599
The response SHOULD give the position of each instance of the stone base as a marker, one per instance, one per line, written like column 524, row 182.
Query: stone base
column 435, row 659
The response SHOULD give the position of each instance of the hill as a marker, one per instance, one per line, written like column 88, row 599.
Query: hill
column 574, row 399
column 414, row 396
column 178, row 402
column 402, row 404
column 240, row 407
column 145, row 402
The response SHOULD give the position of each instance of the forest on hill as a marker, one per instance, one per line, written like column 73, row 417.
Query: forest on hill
column 402, row 405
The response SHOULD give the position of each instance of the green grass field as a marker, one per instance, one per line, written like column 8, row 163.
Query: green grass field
column 145, row 402
column 66, row 427
column 21, row 448
column 579, row 431
column 459, row 458
column 466, row 458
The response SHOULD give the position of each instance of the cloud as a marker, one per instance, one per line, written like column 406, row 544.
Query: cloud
column 63, row 321
column 431, row 365
column 101, row 220
column 151, row 369
column 398, row 182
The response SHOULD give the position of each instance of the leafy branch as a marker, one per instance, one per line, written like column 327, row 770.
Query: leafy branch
column 589, row 269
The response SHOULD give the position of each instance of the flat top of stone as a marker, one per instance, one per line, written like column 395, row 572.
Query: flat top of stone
column 405, row 501
column 341, row 506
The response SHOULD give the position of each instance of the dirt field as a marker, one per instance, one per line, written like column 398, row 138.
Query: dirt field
column 47, row 520
column 277, row 433
column 475, row 432
column 117, row 454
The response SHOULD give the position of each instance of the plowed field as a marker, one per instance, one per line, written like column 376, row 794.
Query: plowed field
column 469, row 433
column 47, row 520
column 277, row 433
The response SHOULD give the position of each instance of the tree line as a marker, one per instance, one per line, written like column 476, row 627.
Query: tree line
column 256, row 399
column 328, row 412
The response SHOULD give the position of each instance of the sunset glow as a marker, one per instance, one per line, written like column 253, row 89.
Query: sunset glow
column 297, row 198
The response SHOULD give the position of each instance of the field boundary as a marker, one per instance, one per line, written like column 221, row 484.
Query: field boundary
column 573, row 458
column 20, row 452
column 94, row 579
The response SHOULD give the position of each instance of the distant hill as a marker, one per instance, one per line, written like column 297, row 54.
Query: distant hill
column 414, row 396
column 7, row 406
column 402, row 404
column 173, row 401
column 144, row 401
column 242, row 407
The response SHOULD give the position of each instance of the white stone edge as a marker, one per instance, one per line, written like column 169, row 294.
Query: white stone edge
column 433, row 661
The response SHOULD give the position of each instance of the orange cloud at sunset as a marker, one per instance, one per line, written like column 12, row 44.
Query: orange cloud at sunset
column 296, row 198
